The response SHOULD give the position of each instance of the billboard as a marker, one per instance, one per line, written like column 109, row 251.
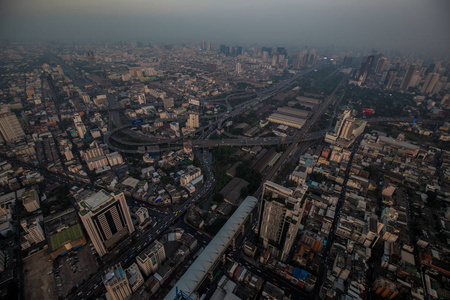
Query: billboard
column 138, row 121
column 368, row 111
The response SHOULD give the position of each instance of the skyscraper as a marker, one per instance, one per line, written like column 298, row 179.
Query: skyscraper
column 380, row 65
column 347, row 128
column 340, row 123
column 223, row 49
column 106, row 218
column 439, row 86
column 429, row 83
column 274, row 60
column 238, row 68
column 280, row 213
column 79, row 126
column 9, row 126
column 116, row 283
column 366, row 68
column 391, row 79
column 415, row 79
column 407, row 78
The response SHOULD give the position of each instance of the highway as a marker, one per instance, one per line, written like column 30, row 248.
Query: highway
column 298, row 138
column 88, row 289
column 261, row 96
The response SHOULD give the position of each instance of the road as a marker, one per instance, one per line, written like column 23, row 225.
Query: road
column 123, row 250
column 331, row 235
column 293, row 148
column 260, row 97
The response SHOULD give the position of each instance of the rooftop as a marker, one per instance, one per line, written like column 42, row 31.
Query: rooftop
column 189, row 282
column 97, row 199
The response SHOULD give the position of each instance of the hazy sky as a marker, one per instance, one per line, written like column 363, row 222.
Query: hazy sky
column 421, row 25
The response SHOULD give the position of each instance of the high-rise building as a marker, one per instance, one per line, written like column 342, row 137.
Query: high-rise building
column 193, row 121
column 439, row 86
column 298, row 62
column 106, row 218
column 223, row 49
column 79, row 126
column 415, row 79
column 203, row 45
column 9, row 126
column 274, row 60
column 265, row 55
column 392, row 75
column 33, row 231
column 383, row 77
column 280, row 213
column 347, row 128
column 407, row 78
column 151, row 258
column 208, row 46
column 366, row 68
column 429, row 83
column 116, row 283
column 340, row 123
column 238, row 68
column 381, row 65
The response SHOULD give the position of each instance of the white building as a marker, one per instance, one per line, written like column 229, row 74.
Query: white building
column 134, row 277
column 190, row 176
column 193, row 121
column 151, row 258
column 33, row 231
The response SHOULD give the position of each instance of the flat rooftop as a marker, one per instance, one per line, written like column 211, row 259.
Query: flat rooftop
column 97, row 199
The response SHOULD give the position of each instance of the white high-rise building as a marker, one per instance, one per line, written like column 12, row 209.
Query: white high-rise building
column 193, row 121
column 280, row 213
column 238, row 68
column 151, row 258
column 79, row 126
column 34, row 233
column 9, row 126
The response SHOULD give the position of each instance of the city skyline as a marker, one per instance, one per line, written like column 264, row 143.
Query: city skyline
column 416, row 26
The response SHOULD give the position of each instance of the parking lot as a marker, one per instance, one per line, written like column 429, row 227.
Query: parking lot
column 74, row 268
column 38, row 284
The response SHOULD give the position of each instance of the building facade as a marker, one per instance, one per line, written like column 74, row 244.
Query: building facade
column 10, row 127
column 116, row 283
column 106, row 218
column 280, row 213
column 151, row 258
